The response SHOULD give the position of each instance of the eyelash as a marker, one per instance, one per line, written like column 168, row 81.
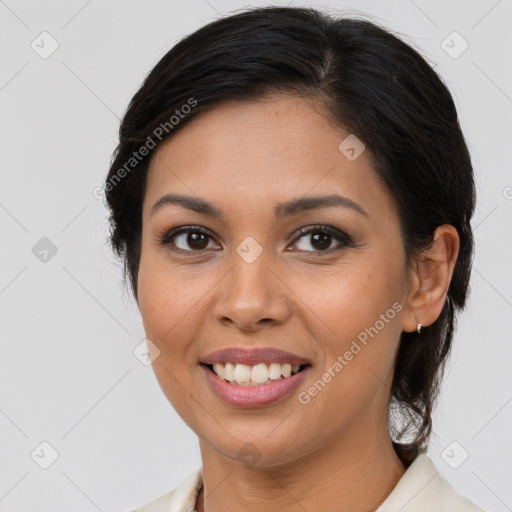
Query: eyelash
column 338, row 235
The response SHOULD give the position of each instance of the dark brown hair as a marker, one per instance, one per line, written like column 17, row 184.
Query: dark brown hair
column 370, row 82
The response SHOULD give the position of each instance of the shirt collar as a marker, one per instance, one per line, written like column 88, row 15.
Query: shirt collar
column 421, row 489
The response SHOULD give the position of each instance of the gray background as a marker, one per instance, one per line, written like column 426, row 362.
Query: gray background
column 68, row 328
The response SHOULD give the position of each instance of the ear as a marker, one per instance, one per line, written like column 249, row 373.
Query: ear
column 429, row 279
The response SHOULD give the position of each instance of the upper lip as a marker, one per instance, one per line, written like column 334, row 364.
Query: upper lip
column 253, row 356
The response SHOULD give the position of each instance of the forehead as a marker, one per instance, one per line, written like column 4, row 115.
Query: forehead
column 261, row 153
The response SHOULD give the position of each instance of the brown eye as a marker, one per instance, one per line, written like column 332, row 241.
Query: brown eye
column 320, row 238
column 196, row 240
column 188, row 238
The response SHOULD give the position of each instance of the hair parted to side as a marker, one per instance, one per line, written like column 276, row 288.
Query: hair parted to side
column 368, row 81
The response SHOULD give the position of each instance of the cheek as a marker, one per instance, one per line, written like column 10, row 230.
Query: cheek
column 158, row 302
column 169, row 311
column 173, row 303
column 352, row 296
column 357, row 316
column 162, row 298
column 165, row 306
column 357, row 341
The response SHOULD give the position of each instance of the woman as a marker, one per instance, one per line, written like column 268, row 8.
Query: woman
column 291, row 196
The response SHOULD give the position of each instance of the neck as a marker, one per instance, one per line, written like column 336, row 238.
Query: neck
column 357, row 473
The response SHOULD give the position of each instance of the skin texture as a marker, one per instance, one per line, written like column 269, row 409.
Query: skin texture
column 246, row 157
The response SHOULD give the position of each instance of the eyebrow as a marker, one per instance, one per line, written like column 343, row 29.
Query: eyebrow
column 282, row 210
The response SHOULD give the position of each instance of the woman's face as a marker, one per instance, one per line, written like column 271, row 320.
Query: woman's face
column 335, row 300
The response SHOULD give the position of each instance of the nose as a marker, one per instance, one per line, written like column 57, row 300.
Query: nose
column 252, row 296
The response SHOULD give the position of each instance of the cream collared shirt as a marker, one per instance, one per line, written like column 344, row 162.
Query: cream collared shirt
column 421, row 489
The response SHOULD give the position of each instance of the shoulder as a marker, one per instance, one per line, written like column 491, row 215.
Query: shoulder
column 180, row 499
column 423, row 489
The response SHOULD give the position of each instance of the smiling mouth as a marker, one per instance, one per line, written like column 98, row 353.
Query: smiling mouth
column 254, row 375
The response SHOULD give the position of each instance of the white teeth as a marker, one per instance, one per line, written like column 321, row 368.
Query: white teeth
column 229, row 371
column 242, row 374
column 258, row 374
column 219, row 370
column 286, row 370
column 274, row 371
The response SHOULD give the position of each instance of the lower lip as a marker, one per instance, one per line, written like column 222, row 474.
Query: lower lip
column 254, row 396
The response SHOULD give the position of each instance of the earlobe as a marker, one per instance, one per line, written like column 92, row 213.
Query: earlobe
column 430, row 279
